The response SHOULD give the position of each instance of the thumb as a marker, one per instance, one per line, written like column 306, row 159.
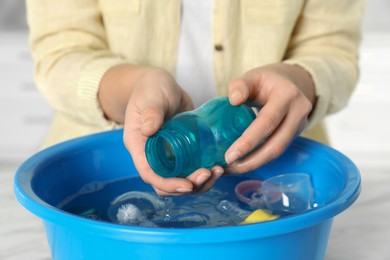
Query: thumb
column 239, row 90
column 153, row 115
column 152, row 118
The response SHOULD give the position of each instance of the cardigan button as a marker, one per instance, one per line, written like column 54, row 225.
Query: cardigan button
column 218, row 47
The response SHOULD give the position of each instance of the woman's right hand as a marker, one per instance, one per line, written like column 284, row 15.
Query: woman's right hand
column 151, row 97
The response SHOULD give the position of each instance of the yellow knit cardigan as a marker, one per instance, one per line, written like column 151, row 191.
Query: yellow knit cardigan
column 74, row 42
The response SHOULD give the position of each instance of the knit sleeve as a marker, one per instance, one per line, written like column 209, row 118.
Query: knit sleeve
column 71, row 54
column 325, row 43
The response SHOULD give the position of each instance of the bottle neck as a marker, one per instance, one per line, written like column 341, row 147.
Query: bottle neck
column 166, row 152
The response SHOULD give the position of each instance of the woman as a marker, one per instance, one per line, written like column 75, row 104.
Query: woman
column 104, row 64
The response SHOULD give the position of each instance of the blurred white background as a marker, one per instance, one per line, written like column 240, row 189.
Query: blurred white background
column 361, row 131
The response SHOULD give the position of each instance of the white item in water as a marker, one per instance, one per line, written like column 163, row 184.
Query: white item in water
column 129, row 214
column 232, row 211
column 157, row 202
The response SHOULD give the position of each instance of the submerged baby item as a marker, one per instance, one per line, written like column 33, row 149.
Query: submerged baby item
column 129, row 214
column 285, row 194
column 232, row 211
column 241, row 216
column 85, row 212
column 290, row 193
column 144, row 202
column 137, row 208
column 259, row 215
column 184, row 220
column 250, row 192
column 197, row 139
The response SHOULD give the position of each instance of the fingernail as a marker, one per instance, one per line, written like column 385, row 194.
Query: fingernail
column 183, row 190
column 218, row 171
column 232, row 156
column 236, row 95
column 202, row 178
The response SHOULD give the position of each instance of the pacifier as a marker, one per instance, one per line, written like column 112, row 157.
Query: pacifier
column 289, row 193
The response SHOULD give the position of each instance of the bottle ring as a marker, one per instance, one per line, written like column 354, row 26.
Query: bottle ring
column 250, row 192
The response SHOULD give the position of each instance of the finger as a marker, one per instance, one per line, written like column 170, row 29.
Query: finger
column 153, row 116
column 186, row 103
column 152, row 119
column 199, row 177
column 171, row 186
column 230, row 170
column 275, row 145
column 135, row 144
column 169, row 194
column 238, row 91
column 216, row 173
column 267, row 120
column 150, row 110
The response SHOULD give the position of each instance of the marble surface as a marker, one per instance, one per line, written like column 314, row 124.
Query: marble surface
column 361, row 232
column 22, row 235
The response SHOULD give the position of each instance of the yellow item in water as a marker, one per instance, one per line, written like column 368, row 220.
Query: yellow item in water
column 259, row 215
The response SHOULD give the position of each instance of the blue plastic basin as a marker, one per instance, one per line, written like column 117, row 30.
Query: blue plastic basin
column 54, row 174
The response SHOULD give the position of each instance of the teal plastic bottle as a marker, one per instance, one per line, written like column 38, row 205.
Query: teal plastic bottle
column 198, row 138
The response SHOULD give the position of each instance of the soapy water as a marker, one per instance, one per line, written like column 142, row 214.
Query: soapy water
column 132, row 202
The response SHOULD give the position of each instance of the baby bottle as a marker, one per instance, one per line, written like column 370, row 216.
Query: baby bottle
column 198, row 138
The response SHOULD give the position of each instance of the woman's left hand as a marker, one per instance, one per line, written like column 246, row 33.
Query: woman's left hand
column 287, row 95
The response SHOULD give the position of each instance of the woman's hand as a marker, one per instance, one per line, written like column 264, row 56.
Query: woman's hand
column 287, row 95
column 156, row 97
column 145, row 98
